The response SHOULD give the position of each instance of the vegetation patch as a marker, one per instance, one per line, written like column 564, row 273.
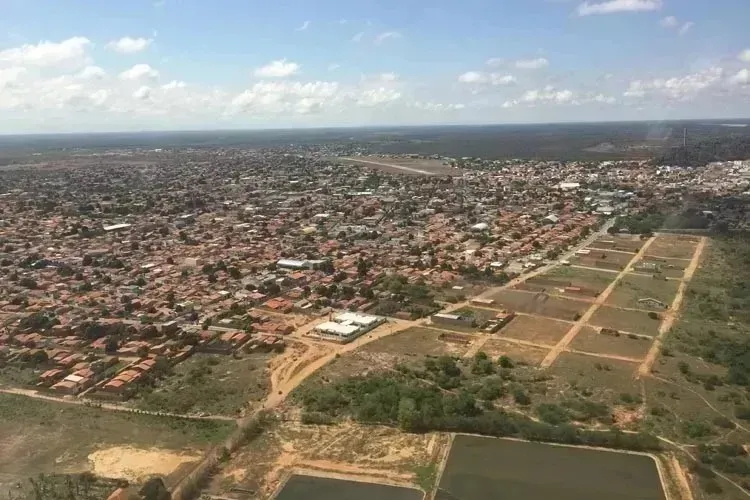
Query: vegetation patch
column 209, row 383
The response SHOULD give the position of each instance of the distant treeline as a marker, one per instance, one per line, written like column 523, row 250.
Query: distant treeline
column 736, row 147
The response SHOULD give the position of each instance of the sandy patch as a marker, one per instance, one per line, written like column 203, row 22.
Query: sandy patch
column 133, row 463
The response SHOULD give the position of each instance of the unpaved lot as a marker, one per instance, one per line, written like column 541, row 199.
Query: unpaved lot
column 537, row 330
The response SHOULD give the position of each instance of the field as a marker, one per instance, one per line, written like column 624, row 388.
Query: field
column 620, row 242
column 589, row 340
column 539, row 303
column 625, row 321
column 321, row 488
column 210, row 383
column 41, row 436
column 418, row 341
column 591, row 282
column 633, row 287
column 672, row 247
column 481, row 468
column 518, row 353
column 535, row 329
column 602, row 259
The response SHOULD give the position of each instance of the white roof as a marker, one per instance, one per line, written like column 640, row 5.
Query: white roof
column 73, row 378
column 337, row 328
column 357, row 319
column 446, row 316
column 480, row 227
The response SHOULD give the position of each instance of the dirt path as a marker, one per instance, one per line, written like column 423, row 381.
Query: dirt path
column 476, row 346
column 308, row 365
column 671, row 314
column 573, row 332
column 681, row 480
column 108, row 406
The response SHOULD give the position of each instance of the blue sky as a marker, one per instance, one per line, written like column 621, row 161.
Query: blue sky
column 93, row 65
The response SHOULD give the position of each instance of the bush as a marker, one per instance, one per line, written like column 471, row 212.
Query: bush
column 521, row 398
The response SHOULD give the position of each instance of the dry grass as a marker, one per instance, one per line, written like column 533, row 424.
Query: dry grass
column 625, row 321
column 673, row 246
column 633, row 287
column 590, row 340
column 520, row 353
column 535, row 329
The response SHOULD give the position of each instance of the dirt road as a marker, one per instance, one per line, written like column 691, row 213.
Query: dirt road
column 391, row 165
column 671, row 314
column 576, row 328
column 108, row 406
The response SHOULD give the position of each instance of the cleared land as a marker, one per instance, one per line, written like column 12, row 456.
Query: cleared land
column 634, row 287
column 519, row 353
column 591, row 282
column 418, row 341
column 590, row 340
column 210, row 383
column 535, row 329
column 482, row 468
column 602, row 259
column 622, row 243
column 625, row 321
column 321, row 488
column 538, row 303
column 42, row 436
column 674, row 247
column 410, row 166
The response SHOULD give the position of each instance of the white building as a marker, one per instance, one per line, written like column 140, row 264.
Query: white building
column 347, row 326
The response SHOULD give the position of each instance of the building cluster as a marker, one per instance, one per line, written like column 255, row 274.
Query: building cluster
column 112, row 262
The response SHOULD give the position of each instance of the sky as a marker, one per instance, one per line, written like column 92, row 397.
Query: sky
column 138, row 65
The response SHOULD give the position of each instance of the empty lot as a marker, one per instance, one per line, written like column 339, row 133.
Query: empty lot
column 674, row 247
column 482, row 468
column 625, row 321
column 590, row 340
column 633, row 287
column 539, row 303
column 535, row 329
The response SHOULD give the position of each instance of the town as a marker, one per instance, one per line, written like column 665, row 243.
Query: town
column 126, row 275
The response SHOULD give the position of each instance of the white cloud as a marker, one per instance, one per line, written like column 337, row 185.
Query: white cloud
column 472, row 77
column 547, row 95
column 142, row 93
column 11, row 75
column 742, row 77
column 375, row 97
column 669, row 22
column 333, row 66
column 285, row 97
column 537, row 63
column 278, row 69
column 92, row 72
column 494, row 62
column 46, row 53
column 498, row 79
column 388, row 35
column 677, row 88
column 358, row 37
column 477, row 77
column 303, row 27
column 138, row 72
column 744, row 55
column 437, row 107
column 99, row 97
column 174, row 84
column 388, row 77
column 686, row 27
column 614, row 6
column 128, row 45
